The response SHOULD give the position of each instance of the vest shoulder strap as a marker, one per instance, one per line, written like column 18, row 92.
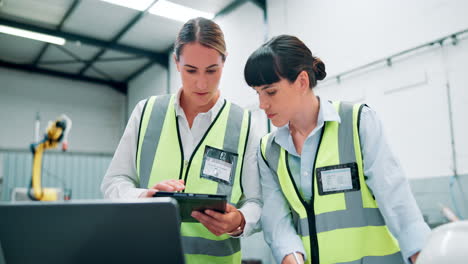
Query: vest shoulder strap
column 152, row 118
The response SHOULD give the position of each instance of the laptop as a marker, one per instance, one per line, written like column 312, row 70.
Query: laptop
column 91, row 231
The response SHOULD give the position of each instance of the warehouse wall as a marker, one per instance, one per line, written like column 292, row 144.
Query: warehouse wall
column 411, row 96
column 351, row 33
column 97, row 112
column 153, row 81
column 98, row 116
column 79, row 174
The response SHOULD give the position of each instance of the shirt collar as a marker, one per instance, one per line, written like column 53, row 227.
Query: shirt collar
column 327, row 112
column 211, row 113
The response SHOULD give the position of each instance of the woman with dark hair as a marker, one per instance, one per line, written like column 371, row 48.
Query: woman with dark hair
column 333, row 192
column 170, row 139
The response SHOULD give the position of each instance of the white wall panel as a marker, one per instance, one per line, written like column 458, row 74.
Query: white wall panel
column 97, row 111
column 346, row 34
column 411, row 99
column 175, row 82
column 153, row 81
column 457, row 64
column 244, row 32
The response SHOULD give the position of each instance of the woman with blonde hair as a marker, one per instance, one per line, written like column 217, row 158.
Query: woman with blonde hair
column 170, row 138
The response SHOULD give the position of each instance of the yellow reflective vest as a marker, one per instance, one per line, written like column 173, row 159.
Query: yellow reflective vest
column 343, row 226
column 160, row 157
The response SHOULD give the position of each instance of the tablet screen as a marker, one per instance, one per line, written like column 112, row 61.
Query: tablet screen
column 189, row 202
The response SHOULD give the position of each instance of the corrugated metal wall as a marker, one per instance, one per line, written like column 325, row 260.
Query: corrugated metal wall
column 82, row 173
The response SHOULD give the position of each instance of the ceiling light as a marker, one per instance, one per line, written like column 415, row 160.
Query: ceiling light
column 139, row 5
column 177, row 12
column 32, row 35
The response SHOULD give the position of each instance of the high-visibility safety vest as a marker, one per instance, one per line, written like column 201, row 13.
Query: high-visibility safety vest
column 337, row 227
column 160, row 157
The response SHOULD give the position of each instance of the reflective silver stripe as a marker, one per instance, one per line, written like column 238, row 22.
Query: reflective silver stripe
column 233, row 128
column 295, row 217
column 202, row 246
column 346, row 150
column 395, row 258
column 301, row 224
column 302, row 227
column 272, row 153
column 345, row 134
column 354, row 200
column 231, row 142
column 151, row 140
column 349, row 219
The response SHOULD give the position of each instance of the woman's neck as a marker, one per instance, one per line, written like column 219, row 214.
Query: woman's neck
column 306, row 118
column 191, row 110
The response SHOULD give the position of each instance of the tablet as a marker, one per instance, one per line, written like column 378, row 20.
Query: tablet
column 189, row 202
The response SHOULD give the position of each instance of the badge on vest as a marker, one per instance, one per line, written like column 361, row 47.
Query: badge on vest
column 338, row 178
column 219, row 165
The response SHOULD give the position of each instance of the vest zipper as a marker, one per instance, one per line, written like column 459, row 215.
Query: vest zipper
column 181, row 148
column 310, row 210
column 185, row 166
column 313, row 231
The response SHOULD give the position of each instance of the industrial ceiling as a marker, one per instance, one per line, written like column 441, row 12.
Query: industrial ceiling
column 105, row 43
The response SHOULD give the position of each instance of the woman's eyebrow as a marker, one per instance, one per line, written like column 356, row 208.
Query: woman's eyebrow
column 193, row 67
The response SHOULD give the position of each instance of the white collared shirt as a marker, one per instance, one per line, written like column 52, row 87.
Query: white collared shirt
column 121, row 178
column 190, row 137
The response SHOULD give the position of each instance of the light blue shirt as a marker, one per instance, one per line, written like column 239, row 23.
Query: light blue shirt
column 386, row 180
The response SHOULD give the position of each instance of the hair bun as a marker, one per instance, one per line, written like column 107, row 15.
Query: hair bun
column 319, row 69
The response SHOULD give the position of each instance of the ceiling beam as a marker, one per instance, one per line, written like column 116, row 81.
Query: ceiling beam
column 140, row 70
column 119, row 35
column 59, row 27
column 119, row 86
column 229, row 8
column 260, row 3
column 78, row 59
column 160, row 58
column 72, row 61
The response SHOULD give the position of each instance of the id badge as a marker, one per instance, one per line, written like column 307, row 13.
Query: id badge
column 338, row 178
column 218, row 165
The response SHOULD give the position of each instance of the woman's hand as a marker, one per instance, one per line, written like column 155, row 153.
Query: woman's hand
column 414, row 257
column 290, row 259
column 219, row 223
column 165, row 186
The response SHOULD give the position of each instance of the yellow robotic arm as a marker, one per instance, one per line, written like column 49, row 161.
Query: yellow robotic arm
column 57, row 132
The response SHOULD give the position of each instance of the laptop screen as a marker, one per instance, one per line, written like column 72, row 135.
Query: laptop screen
column 137, row 231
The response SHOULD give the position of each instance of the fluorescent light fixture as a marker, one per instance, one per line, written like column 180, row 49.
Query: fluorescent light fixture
column 139, row 5
column 32, row 35
column 177, row 12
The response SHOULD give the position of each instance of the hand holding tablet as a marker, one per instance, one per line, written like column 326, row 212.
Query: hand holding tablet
column 189, row 202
